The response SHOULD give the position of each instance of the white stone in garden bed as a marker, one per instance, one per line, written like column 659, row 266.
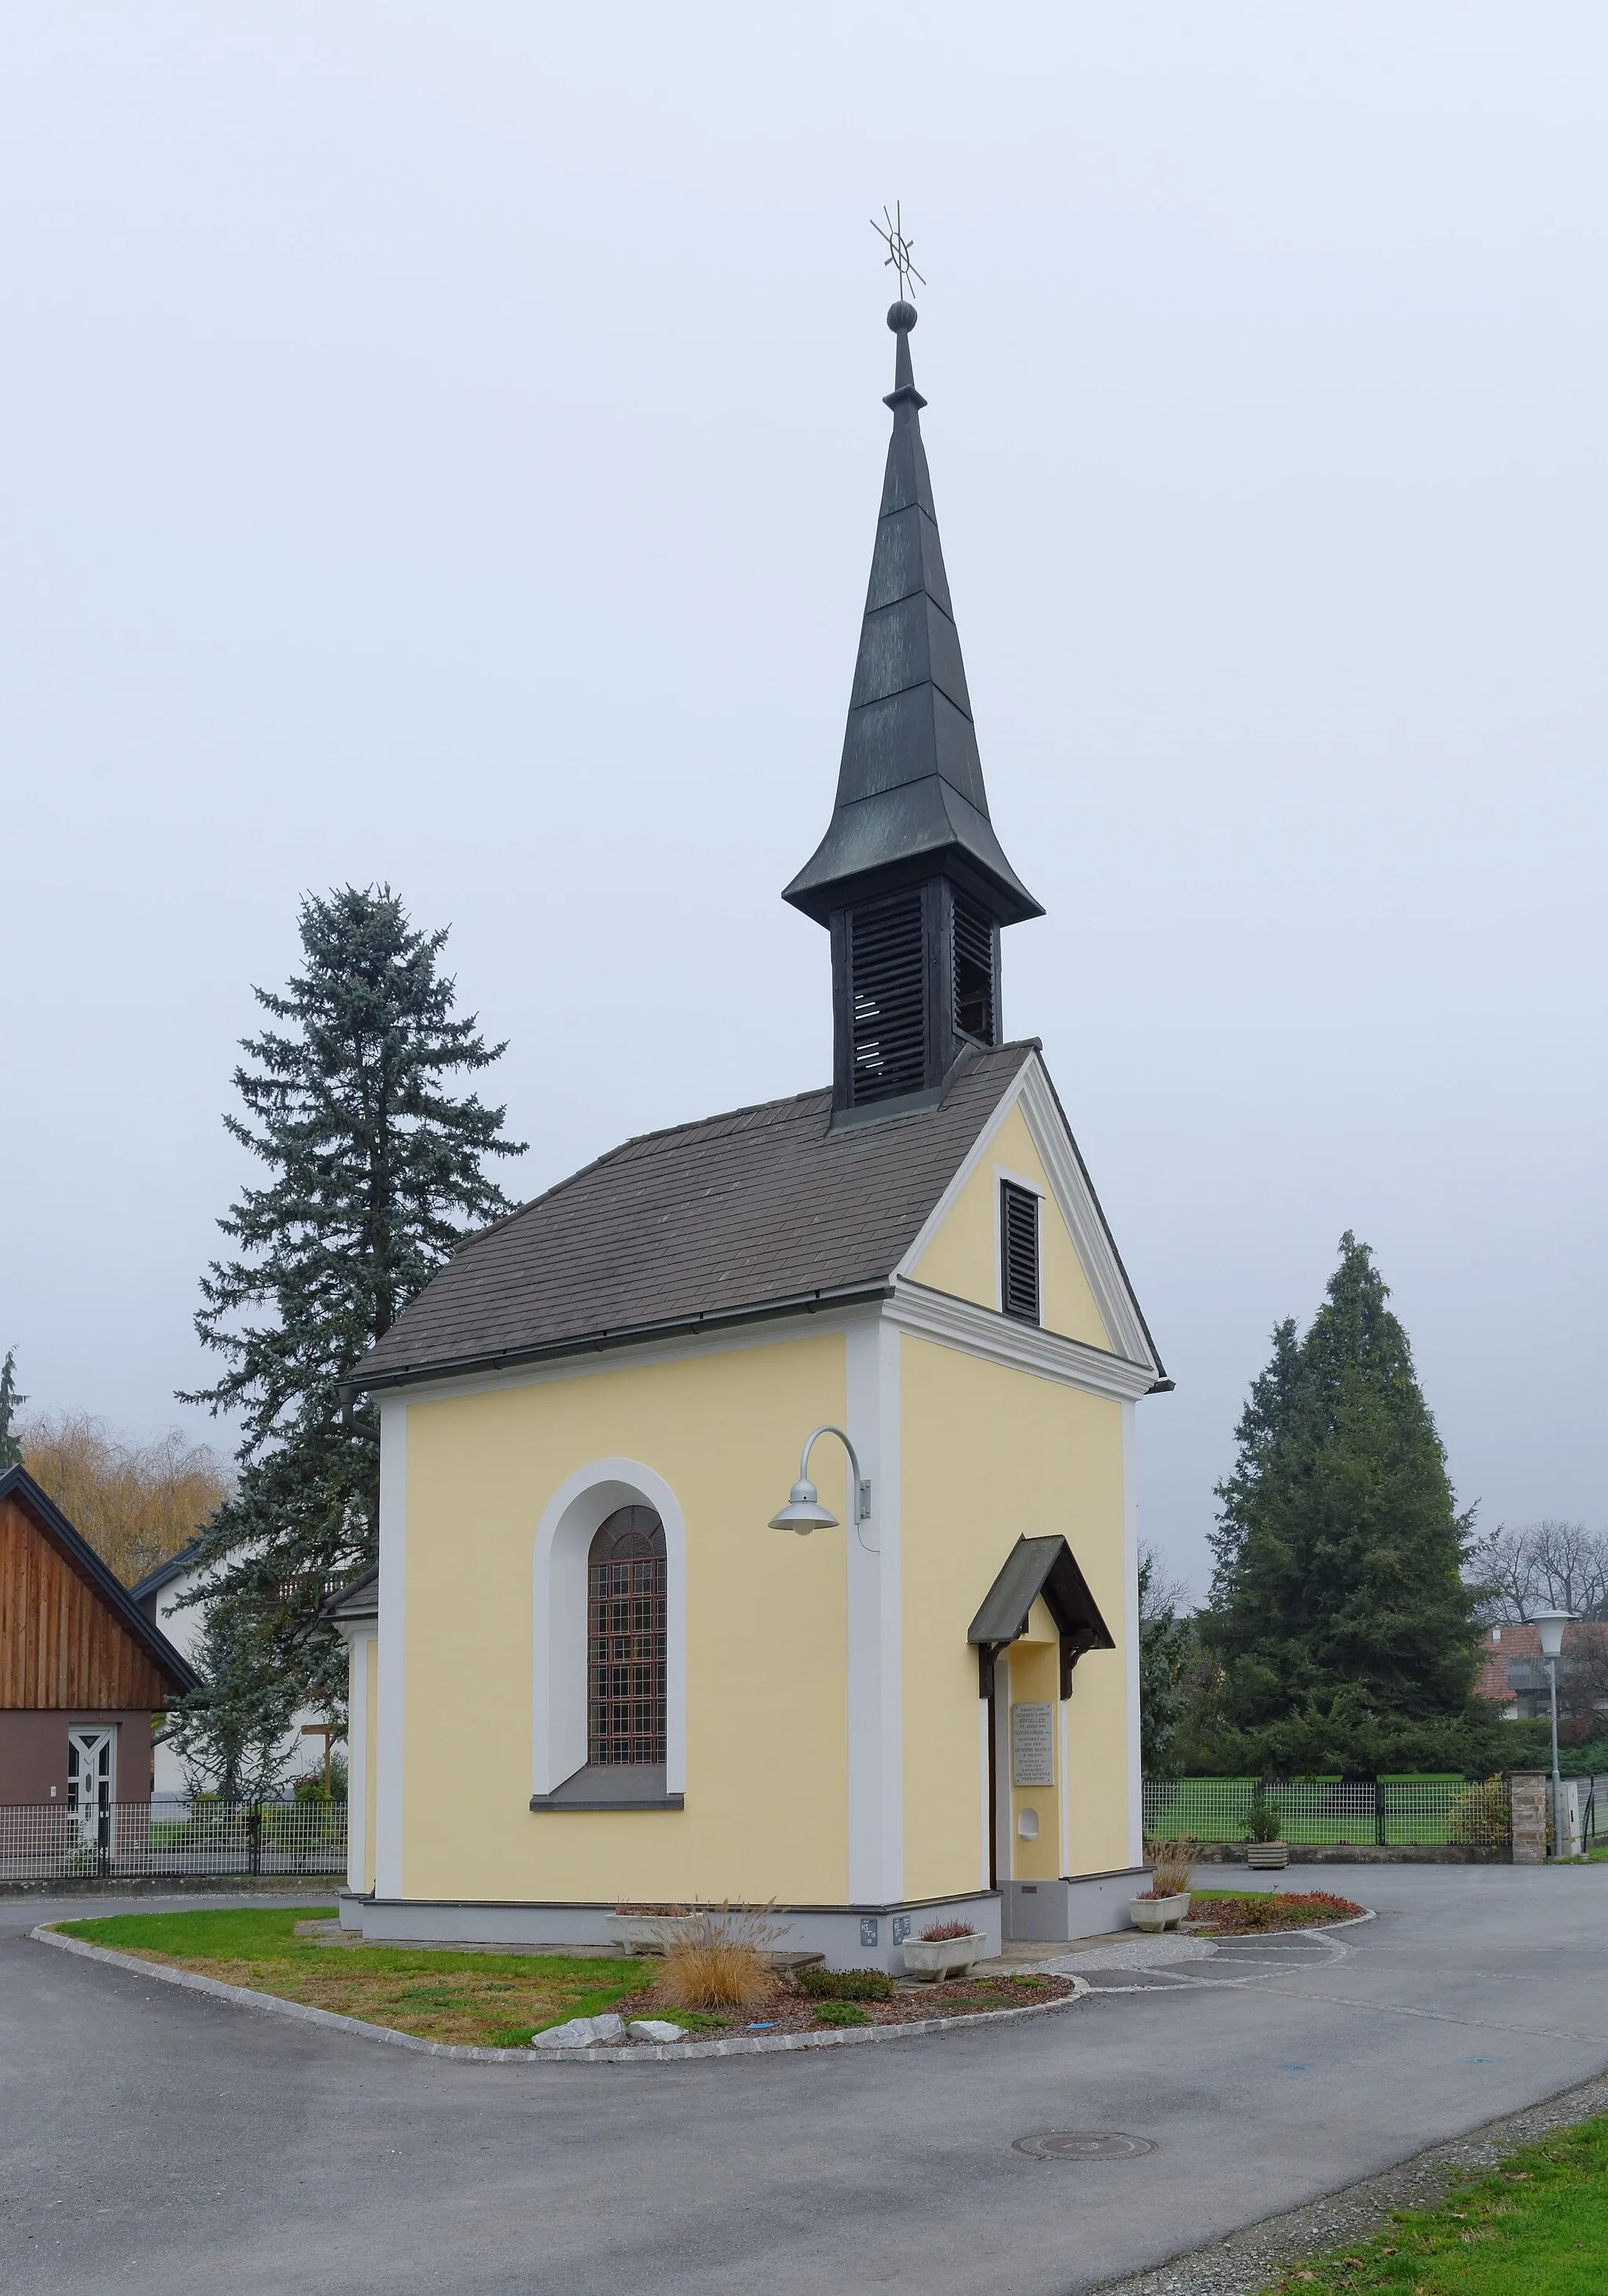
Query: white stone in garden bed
column 581, row 2032
column 655, row 2028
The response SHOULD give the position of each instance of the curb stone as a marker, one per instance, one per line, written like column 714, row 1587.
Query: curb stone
column 675, row 2052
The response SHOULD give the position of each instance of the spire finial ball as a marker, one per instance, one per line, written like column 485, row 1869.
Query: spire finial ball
column 901, row 317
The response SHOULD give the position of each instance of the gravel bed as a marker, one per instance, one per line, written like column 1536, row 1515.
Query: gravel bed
column 958, row 1997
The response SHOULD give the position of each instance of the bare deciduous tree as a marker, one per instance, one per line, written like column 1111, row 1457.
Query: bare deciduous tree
column 136, row 1502
column 1549, row 1565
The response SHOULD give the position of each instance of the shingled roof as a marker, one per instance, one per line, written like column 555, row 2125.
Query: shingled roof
column 761, row 1212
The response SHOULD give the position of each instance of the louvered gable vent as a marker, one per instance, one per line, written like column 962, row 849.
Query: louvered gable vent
column 1019, row 1252
column 885, row 984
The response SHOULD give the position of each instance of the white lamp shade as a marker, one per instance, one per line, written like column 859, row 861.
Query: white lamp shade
column 803, row 1513
column 1551, row 1624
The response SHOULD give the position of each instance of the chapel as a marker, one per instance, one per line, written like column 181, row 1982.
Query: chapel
column 757, row 1503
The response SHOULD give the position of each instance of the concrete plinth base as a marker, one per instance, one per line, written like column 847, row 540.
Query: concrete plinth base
column 1090, row 1905
column 851, row 1936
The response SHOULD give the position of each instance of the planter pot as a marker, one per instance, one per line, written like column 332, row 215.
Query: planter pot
column 1158, row 1913
column 1267, row 1857
column 936, row 1957
column 638, row 1933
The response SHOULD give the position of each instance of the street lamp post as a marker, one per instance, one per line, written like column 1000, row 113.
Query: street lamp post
column 1551, row 1625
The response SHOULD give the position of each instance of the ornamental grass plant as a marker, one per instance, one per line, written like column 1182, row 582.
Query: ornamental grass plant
column 1171, row 1864
column 722, row 1965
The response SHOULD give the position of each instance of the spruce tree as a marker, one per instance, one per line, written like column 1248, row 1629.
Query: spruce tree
column 11, row 1450
column 375, row 1175
column 1340, row 1616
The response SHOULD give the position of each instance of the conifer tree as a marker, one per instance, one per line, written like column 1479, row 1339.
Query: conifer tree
column 375, row 1175
column 11, row 1450
column 1340, row 1614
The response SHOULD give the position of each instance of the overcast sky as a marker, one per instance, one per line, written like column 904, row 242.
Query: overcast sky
column 441, row 444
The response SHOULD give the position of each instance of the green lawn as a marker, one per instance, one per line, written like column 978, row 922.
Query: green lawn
column 493, row 2000
column 1417, row 1811
column 1536, row 2226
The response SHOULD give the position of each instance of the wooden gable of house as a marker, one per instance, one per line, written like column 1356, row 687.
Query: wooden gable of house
column 71, row 1636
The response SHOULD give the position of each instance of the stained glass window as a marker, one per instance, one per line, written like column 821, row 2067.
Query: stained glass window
column 626, row 1639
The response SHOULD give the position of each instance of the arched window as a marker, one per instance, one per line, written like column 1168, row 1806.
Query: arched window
column 626, row 1592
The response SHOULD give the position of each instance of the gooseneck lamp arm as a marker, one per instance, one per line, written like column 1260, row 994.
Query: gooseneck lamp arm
column 804, row 1512
column 862, row 1486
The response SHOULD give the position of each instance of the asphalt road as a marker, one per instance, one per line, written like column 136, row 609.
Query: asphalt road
column 157, row 2144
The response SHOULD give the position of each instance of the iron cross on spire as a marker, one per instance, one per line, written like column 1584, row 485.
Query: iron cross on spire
column 890, row 232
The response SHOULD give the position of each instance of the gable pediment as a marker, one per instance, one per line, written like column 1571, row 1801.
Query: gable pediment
column 71, row 1637
column 1087, row 1295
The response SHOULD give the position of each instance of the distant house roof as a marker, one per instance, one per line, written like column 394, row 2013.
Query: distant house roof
column 360, row 1600
column 1510, row 1660
column 19, row 1486
column 765, row 1210
column 143, row 1590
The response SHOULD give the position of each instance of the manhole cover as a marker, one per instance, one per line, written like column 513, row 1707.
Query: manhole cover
column 1083, row 2145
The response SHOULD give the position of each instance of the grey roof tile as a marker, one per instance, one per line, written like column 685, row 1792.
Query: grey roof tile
column 740, row 1212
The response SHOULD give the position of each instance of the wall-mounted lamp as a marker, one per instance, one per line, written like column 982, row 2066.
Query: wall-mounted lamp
column 804, row 1512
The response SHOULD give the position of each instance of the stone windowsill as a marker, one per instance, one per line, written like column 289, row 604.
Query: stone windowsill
column 619, row 1786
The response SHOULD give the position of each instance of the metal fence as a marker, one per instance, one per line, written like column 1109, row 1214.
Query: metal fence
column 1386, row 1812
column 169, row 1835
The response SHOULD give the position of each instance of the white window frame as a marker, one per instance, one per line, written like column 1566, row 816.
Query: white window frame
column 570, row 1521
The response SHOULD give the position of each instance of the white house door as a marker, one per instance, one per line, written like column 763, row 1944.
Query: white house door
column 92, row 1784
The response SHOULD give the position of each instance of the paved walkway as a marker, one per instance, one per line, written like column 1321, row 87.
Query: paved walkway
column 162, row 2145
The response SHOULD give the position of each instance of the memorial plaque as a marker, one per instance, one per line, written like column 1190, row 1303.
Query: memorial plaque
column 1032, row 1744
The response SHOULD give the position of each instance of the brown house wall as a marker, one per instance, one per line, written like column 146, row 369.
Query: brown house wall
column 61, row 1647
column 33, row 1754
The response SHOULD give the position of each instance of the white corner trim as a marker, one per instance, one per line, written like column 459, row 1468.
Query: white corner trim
column 954, row 1322
column 876, row 1624
column 1131, row 1634
column 391, row 1720
column 558, row 1622
column 358, row 1754
column 1030, row 1090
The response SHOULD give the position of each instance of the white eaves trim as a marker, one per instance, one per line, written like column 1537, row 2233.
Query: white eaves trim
column 1032, row 1092
column 952, row 1323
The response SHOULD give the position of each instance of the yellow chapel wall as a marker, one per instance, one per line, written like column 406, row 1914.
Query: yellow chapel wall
column 766, row 1774
column 989, row 1454
column 1035, row 1674
column 962, row 1258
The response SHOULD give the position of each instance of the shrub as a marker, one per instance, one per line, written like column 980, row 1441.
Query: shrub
column 841, row 2012
column 1171, row 1863
column 1263, row 1817
column 1481, row 1814
column 844, row 1985
column 942, row 1930
column 723, row 1965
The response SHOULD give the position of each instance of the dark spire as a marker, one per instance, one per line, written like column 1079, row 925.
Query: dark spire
column 911, row 801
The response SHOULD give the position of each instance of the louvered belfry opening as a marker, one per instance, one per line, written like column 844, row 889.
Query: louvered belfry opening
column 626, row 1632
column 1019, row 1252
column 887, row 999
column 976, row 1001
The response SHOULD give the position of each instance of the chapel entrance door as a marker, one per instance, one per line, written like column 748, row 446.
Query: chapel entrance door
column 92, row 1784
